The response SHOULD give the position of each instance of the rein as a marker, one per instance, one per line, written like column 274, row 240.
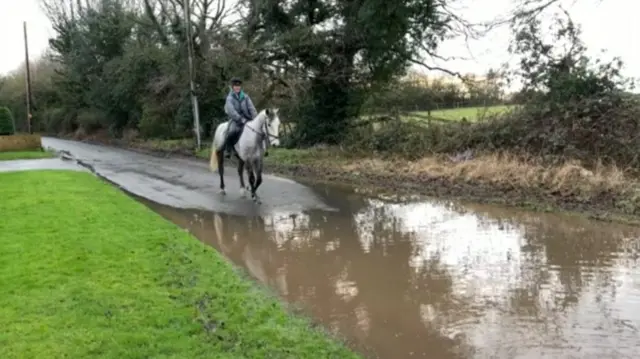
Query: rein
column 265, row 133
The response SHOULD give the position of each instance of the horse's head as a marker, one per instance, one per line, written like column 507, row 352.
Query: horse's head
column 273, row 126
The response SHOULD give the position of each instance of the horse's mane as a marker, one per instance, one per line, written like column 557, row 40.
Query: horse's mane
column 262, row 115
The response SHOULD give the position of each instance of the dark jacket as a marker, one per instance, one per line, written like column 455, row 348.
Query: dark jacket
column 239, row 107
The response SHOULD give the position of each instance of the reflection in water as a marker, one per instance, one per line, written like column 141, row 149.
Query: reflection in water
column 444, row 281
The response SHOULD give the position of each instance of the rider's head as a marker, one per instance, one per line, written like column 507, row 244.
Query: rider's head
column 236, row 84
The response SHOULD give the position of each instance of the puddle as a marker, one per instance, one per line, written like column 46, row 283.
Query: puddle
column 440, row 280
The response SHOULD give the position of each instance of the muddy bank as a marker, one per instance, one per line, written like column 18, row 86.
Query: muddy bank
column 608, row 204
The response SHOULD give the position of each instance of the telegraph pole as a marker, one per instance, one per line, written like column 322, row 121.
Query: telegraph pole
column 27, row 77
column 194, row 98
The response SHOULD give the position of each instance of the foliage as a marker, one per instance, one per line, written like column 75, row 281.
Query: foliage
column 572, row 108
column 347, row 49
column 558, row 70
column 120, row 65
column 6, row 122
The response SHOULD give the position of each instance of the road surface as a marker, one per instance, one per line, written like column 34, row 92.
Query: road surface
column 184, row 183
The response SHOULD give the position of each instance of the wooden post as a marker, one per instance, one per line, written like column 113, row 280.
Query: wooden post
column 27, row 77
column 194, row 98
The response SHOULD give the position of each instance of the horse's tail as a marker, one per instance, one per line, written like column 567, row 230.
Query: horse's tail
column 217, row 138
column 213, row 161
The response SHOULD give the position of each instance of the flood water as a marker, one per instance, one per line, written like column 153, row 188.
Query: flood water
column 442, row 280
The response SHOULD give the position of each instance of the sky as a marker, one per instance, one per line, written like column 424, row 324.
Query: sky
column 606, row 24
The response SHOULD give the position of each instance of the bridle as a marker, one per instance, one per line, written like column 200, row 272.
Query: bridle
column 264, row 134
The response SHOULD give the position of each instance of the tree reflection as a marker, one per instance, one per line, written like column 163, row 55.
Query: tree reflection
column 372, row 292
column 429, row 279
column 568, row 268
column 571, row 248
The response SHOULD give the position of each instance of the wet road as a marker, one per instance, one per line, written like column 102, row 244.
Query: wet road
column 423, row 279
column 185, row 183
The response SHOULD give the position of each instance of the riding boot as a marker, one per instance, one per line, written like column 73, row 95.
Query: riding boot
column 232, row 138
column 224, row 147
column 229, row 151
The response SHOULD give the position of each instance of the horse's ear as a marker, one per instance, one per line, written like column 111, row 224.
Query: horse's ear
column 268, row 112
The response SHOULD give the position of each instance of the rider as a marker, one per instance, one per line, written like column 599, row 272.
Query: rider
column 240, row 109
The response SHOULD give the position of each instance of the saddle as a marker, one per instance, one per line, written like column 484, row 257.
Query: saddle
column 235, row 129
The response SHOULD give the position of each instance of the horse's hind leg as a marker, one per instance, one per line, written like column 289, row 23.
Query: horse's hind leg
column 220, row 155
column 241, row 175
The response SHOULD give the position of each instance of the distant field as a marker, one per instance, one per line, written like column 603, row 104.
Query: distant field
column 455, row 114
column 470, row 113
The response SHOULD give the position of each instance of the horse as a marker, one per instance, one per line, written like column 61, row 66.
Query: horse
column 256, row 136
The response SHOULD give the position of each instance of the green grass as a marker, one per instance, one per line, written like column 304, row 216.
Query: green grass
column 293, row 156
column 171, row 145
column 470, row 113
column 86, row 271
column 24, row 155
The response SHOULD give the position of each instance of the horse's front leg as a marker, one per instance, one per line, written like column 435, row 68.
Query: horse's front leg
column 258, row 170
column 252, row 181
column 256, row 180
column 220, row 155
column 241, row 175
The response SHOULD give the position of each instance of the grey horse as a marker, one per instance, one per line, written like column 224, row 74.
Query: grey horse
column 256, row 135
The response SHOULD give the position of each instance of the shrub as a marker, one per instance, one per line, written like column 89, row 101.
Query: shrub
column 6, row 122
column 91, row 120
column 156, row 122
column 21, row 142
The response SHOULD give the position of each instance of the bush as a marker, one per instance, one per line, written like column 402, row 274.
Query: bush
column 6, row 122
column 55, row 120
column 91, row 120
column 592, row 129
column 20, row 143
column 599, row 129
column 156, row 122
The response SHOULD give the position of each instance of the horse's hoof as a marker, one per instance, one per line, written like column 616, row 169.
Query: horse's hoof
column 223, row 192
column 243, row 192
column 266, row 154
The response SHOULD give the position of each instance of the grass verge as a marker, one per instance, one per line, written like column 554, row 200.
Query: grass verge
column 24, row 155
column 605, row 192
column 88, row 272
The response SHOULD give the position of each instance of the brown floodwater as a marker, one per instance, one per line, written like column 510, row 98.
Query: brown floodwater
column 443, row 280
